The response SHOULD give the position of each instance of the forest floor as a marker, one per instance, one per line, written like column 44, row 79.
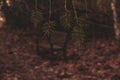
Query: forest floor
column 95, row 60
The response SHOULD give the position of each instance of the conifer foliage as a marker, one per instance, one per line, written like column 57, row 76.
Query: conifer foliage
column 73, row 16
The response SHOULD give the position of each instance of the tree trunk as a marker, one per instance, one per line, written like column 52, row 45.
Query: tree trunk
column 69, row 32
column 6, row 11
column 49, row 37
column 86, row 7
column 65, row 43
column 116, row 27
